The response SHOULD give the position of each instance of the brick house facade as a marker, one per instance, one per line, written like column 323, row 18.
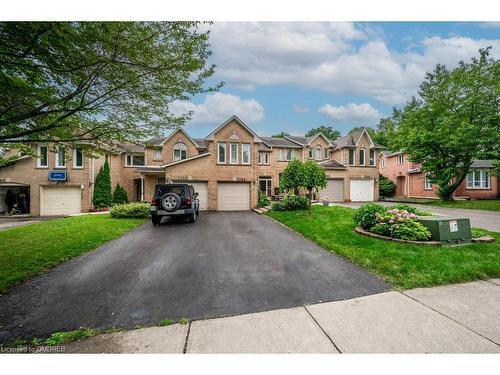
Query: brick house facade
column 228, row 168
column 410, row 181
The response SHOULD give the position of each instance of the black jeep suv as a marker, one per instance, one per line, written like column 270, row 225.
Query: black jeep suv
column 174, row 200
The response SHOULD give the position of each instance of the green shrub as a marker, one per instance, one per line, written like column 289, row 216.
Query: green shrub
column 291, row 203
column 135, row 210
column 400, row 224
column 411, row 209
column 102, row 188
column 120, row 195
column 386, row 187
column 365, row 216
column 263, row 200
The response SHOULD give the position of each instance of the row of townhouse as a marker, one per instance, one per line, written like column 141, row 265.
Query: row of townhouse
column 412, row 182
column 227, row 168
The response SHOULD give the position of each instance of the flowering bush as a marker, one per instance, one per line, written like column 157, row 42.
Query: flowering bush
column 400, row 224
column 365, row 216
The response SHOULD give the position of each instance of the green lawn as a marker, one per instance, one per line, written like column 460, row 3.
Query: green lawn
column 483, row 204
column 26, row 251
column 403, row 265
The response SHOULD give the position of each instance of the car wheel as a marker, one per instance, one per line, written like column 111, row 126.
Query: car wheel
column 156, row 220
column 192, row 217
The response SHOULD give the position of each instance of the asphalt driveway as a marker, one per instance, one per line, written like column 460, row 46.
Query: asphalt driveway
column 224, row 264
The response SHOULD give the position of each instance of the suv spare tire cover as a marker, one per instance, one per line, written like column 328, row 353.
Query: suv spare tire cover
column 170, row 202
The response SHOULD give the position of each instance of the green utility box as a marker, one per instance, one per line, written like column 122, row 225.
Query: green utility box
column 447, row 229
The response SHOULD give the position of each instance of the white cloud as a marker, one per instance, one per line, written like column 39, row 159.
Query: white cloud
column 218, row 107
column 341, row 58
column 300, row 109
column 352, row 113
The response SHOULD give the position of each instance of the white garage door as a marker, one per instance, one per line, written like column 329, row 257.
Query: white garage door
column 202, row 189
column 61, row 200
column 334, row 191
column 362, row 190
column 233, row 196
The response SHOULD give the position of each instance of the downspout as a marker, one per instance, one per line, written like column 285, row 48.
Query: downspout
column 92, row 186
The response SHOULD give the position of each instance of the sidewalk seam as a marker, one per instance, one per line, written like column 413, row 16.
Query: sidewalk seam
column 453, row 320
column 489, row 282
column 322, row 330
column 187, row 338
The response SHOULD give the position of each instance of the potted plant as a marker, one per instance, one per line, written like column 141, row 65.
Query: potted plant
column 325, row 201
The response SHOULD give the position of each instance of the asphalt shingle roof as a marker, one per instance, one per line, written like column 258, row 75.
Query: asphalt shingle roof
column 332, row 164
column 279, row 142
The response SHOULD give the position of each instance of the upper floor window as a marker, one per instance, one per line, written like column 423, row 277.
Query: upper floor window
column 263, row 157
column 327, row 153
column 352, row 156
column 478, row 179
column 427, row 183
column 234, row 153
column 157, row 155
column 180, row 151
column 318, row 152
column 372, row 158
column 221, row 153
column 400, row 159
column 134, row 160
column 287, row 154
column 42, row 159
column 362, row 156
column 382, row 163
column 61, row 157
column 245, row 153
column 311, row 153
column 77, row 158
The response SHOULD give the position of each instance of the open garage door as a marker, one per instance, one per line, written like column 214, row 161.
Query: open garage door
column 202, row 189
column 362, row 190
column 233, row 196
column 60, row 200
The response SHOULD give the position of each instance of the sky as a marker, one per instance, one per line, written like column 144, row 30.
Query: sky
column 295, row 76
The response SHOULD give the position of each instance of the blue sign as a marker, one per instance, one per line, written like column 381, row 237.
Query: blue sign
column 58, row 176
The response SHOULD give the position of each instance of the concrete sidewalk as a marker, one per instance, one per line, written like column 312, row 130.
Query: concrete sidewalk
column 460, row 318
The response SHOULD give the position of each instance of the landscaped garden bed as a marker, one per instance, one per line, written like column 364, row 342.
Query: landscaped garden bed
column 405, row 265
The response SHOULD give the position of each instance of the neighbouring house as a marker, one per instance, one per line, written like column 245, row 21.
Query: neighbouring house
column 227, row 168
column 412, row 182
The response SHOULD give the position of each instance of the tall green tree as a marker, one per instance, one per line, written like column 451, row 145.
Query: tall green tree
column 453, row 121
column 120, row 195
column 314, row 178
column 327, row 131
column 293, row 176
column 102, row 188
column 281, row 135
column 99, row 82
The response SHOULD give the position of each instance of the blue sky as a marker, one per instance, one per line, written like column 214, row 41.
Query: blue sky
column 296, row 76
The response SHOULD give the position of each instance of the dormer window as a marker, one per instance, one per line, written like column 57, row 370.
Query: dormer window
column 352, row 156
column 372, row 158
column 180, row 151
column 362, row 156
column 318, row 152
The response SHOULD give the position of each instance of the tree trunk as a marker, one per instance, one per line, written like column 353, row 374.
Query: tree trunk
column 310, row 197
column 445, row 192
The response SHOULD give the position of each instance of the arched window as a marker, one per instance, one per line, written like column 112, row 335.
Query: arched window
column 318, row 152
column 180, row 151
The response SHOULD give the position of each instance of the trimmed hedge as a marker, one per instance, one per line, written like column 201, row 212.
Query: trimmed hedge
column 134, row 210
column 292, row 203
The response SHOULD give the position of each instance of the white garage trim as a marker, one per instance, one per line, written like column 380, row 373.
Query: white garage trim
column 60, row 200
column 202, row 189
column 233, row 196
column 334, row 190
column 362, row 190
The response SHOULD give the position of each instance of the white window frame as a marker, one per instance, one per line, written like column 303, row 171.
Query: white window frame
column 75, row 151
column 319, row 152
column 311, row 153
column 131, row 163
column 427, row 183
column 372, row 160
column 264, row 158
column 179, row 146
column 353, row 150
column 288, row 152
column 38, row 153
column 382, row 163
column 224, row 146
column 58, row 150
column 156, row 153
column 326, row 153
column 233, row 154
column 484, row 182
column 247, row 147
column 267, row 158
column 362, row 160
column 401, row 159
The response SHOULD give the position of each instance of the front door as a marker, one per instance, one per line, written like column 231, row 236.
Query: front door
column 138, row 189
column 265, row 185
